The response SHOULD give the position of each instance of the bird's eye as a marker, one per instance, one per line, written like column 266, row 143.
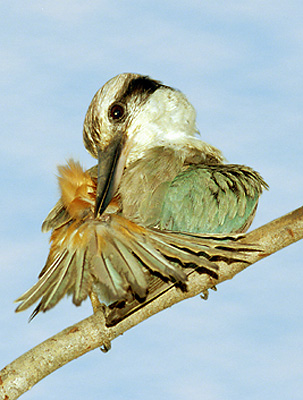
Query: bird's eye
column 117, row 111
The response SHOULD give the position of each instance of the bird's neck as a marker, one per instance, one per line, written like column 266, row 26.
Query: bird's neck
column 190, row 147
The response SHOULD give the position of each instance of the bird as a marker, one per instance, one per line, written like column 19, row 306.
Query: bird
column 159, row 201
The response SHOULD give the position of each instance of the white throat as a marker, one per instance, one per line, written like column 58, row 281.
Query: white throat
column 167, row 119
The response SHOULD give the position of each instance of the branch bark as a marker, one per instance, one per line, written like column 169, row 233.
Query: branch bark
column 74, row 341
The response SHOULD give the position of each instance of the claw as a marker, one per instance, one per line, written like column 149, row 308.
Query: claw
column 96, row 307
column 204, row 295
column 106, row 346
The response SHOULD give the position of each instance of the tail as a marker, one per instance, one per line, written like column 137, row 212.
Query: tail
column 116, row 258
column 112, row 256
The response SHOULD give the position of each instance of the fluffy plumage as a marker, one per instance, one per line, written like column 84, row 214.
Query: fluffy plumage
column 112, row 255
column 173, row 201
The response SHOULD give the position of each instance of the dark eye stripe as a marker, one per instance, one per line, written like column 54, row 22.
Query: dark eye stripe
column 142, row 86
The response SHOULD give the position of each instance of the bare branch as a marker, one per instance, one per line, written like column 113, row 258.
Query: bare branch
column 23, row 373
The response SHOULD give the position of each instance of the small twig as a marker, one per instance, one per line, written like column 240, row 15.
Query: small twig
column 23, row 373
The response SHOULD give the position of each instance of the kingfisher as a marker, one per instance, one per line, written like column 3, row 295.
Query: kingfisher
column 159, row 201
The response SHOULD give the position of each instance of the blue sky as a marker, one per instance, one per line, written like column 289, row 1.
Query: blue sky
column 241, row 65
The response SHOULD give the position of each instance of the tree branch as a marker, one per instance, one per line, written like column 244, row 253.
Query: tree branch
column 74, row 341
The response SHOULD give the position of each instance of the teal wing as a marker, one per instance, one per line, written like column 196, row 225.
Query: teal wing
column 212, row 198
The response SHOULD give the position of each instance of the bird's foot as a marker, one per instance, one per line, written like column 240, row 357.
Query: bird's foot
column 204, row 295
column 96, row 303
column 97, row 306
column 106, row 346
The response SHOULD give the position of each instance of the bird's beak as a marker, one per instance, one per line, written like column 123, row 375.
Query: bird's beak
column 111, row 163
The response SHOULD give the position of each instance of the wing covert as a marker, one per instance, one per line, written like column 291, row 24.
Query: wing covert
column 217, row 198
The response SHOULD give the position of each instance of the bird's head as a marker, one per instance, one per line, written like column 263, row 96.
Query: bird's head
column 140, row 111
column 128, row 115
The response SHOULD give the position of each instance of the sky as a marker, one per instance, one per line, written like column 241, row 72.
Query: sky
column 240, row 63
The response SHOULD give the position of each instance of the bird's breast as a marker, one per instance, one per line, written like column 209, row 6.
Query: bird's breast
column 145, row 182
column 186, row 191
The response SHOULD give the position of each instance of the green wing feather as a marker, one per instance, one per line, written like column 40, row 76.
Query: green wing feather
column 217, row 198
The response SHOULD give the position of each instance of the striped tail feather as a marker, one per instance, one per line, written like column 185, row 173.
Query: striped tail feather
column 116, row 259
column 199, row 252
column 94, row 255
column 204, row 249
